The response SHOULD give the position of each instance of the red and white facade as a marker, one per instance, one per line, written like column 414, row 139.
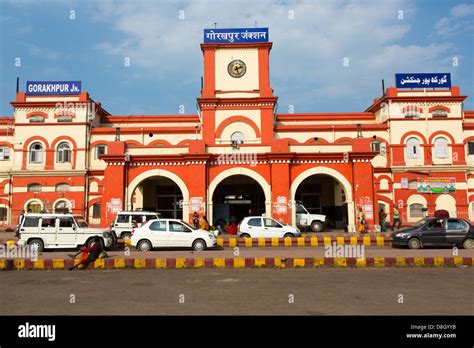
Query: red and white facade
column 186, row 163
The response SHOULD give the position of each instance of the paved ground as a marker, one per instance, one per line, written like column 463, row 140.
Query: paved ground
column 443, row 291
column 371, row 251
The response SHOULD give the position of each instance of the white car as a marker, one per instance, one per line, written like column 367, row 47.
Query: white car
column 171, row 233
column 265, row 227
column 55, row 231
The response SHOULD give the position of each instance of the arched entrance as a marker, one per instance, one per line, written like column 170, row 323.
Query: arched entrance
column 252, row 183
column 159, row 191
column 236, row 197
column 325, row 191
column 322, row 194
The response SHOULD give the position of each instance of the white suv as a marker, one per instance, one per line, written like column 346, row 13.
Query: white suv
column 54, row 231
column 126, row 221
column 265, row 227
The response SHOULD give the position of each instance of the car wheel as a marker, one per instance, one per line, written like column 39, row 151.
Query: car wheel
column 199, row 245
column 414, row 243
column 144, row 245
column 288, row 235
column 245, row 235
column 316, row 226
column 36, row 245
column 126, row 236
column 468, row 243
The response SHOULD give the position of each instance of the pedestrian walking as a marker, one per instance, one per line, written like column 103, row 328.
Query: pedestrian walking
column 396, row 218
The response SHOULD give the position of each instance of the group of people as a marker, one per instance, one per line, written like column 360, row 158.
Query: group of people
column 220, row 228
column 362, row 225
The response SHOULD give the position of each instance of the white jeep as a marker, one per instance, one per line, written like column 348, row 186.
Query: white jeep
column 317, row 222
column 56, row 231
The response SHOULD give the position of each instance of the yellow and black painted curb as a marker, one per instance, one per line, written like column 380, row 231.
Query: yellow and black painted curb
column 284, row 242
column 298, row 242
column 193, row 263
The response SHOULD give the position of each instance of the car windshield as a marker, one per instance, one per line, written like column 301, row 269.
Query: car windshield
column 421, row 222
column 190, row 226
column 81, row 222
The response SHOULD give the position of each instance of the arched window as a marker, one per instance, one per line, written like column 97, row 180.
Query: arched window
column 62, row 187
column 441, row 148
column 416, row 210
column 412, row 112
column 33, row 207
column 440, row 113
column 34, row 188
column 63, row 154
column 36, row 119
column 237, row 138
column 64, row 118
column 100, row 150
column 413, row 148
column 36, row 153
column 379, row 146
column 61, row 207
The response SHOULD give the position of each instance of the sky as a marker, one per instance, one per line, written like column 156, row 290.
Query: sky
column 92, row 41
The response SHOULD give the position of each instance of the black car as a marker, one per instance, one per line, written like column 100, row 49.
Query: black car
column 436, row 232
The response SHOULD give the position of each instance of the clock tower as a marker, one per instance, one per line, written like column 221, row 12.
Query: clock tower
column 237, row 101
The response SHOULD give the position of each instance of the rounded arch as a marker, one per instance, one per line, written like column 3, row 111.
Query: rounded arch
column 94, row 201
column 291, row 141
column 443, row 134
column 68, row 204
column 446, row 202
column 158, row 142
column 184, row 142
column 34, row 201
column 34, row 113
column 240, row 171
column 133, row 142
column 164, row 173
column 64, row 138
column 413, row 134
column 343, row 141
column 417, row 199
column 319, row 141
column 439, row 107
column 34, row 139
column 233, row 119
column 346, row 185
column 98, row 142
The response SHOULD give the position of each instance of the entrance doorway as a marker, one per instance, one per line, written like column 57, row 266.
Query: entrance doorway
column 159, row 194
column 322, row 194
column 236, row 197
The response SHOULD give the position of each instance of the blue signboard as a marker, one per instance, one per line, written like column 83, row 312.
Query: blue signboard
column 423, row 80
column 53, row 87
column 238, row 35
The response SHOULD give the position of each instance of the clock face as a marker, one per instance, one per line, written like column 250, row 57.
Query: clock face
column 237, row 68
